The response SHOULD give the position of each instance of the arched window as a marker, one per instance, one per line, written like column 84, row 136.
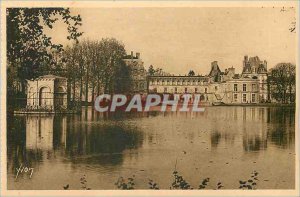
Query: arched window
column 44, row 96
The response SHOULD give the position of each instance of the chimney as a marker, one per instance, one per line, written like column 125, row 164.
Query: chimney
column 266, row 64
column 138, row 55
column 232, row 70
column 214, row 65
column 245, row 60
column 131, row 54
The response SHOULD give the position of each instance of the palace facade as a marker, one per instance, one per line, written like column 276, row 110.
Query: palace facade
column 219, row 87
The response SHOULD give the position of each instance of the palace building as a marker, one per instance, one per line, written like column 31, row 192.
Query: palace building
column 219, row 87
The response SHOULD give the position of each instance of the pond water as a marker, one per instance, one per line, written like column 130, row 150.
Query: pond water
column 225, row 144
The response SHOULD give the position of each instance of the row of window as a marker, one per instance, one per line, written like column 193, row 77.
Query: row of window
column 176, row 83
column 235, row 87
column 185, row 90
column 244, row 98
column 173, row 80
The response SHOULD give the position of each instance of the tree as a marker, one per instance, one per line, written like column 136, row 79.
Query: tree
column 111, row 58
column 151, row 71
column 191, row 73
column 156, row 72
column 74, row 70
column 97, row 66
column 123, row 79
column 29, row 49
column 291, row 81
column 282, row 82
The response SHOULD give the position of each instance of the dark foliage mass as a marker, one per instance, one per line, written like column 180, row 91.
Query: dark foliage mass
column 97, row 66
column 282, row 82
column 30, row 50
column 90, row 66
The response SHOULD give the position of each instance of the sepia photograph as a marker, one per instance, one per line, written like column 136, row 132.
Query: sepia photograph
column 149, row 96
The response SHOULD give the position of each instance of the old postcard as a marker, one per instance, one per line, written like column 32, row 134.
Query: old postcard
column 142, row 98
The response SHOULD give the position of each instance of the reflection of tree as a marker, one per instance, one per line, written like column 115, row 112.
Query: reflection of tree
column 92, row 115
column 103, row 139
column 280, row 115
column 101, row 143
column 59, row 131
column 282, row 129
column 215, row 139
column 100, row 159
column 281, row 137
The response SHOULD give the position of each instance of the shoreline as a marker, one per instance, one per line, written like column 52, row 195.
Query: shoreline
column 168, row 106
column 258, row 105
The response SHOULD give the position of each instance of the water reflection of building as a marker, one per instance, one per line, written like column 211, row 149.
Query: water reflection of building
column 254, row 142
column 254, row 135
column 216, row 137
column 250, row 127
column 84, row 135
column 276, row 126
column 41, row 130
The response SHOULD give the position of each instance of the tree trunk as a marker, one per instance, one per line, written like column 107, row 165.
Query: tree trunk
column 268, row 89
column 98, row 86
column 93, row 93
column 74, row 90
column 106, row 85
column 68, row 92
column 290, row 91
column 23, row 88
column 87, row 88
column 284, row 95
column 81, row 88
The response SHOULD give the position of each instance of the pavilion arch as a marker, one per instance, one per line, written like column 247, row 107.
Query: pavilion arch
column 44, row 95
column 61, row 89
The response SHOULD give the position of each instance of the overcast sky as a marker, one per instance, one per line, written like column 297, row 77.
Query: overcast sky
column 180, row 39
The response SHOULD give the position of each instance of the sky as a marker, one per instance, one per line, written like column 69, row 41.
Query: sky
column 180, row 39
